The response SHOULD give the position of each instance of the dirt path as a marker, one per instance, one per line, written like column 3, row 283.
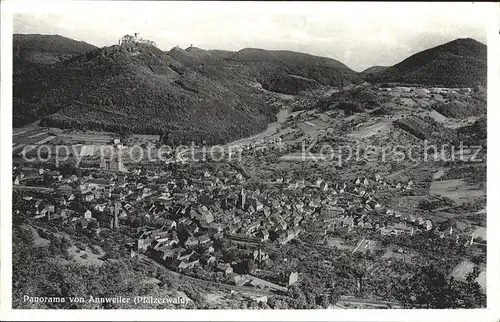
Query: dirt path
column 42, row 189
column 357, row 301
column 392, row 175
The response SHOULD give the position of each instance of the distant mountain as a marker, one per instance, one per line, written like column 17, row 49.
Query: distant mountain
column 194, row 56
column 275, row 68
column 461, row 62
column 32, row 50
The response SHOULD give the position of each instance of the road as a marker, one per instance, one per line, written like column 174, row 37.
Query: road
column 356, row 301
column 245, row 290
column 271, row 129
column 41, row 189
column 359, row 245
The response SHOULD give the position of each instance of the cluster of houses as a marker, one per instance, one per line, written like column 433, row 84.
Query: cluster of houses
column 413, row 91
column 220, row 203
column 179, row 219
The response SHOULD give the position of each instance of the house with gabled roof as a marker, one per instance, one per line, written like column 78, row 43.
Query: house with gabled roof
column 225, row 268
column 207, row 259
column 191, row 242
column 185, row 254
column 204, row 240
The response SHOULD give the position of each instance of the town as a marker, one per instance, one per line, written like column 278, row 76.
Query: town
column 210, row 221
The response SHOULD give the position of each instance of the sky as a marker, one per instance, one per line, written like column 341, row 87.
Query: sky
column 359, row 35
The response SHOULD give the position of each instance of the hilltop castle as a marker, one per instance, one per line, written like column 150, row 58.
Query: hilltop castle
column 112, row 157
column 135, row 39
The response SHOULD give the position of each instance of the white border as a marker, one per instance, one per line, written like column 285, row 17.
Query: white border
column 491, row 20
column 6, row 159
column 493, row 169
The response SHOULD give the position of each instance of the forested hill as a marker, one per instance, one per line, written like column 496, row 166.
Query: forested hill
column 461, row 62
column 191, row 94
column 32, row 49
column 280, row 71
column 271, row 65
column 139, row 88
column 373, row 70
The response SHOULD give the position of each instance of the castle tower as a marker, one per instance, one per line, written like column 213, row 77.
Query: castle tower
column 243, row 197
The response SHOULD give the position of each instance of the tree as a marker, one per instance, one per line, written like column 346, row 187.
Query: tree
column 251, row 266
column 136, row 222
column 430, row 288
column 276, row 303
column 334, row 295
column 67, row 169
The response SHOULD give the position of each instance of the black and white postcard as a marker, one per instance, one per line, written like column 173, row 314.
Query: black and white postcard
column 249, row 160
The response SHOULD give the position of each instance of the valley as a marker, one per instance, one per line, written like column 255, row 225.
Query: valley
column 250, row 179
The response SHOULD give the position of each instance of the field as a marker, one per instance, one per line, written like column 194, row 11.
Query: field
column 32, row 136
column 379, row 128
column 139, row 139
column 87, row 137
column 461, row 270
column 69, row 142
column 438, row 117
column 39, row 241
column 457, row 190
column 311, row 128
column 338, row 243
column 85, row 257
